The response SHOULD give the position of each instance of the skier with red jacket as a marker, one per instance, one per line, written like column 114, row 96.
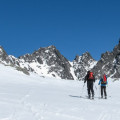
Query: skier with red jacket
column 90, row 79
column 103, row 82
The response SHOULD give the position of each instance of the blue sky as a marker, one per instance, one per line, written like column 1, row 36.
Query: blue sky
column 73, row 26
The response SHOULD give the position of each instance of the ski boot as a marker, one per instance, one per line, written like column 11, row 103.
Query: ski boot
column 105, row 97
column 88, row 96
column 92, row 96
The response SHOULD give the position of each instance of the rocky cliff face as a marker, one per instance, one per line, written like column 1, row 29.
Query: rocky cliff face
column 109, row 64
column 3, row 55
column 45, row 62
column 49, row 62
column 82, row 64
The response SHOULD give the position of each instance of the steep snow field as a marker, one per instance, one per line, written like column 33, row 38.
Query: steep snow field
column 32, row 97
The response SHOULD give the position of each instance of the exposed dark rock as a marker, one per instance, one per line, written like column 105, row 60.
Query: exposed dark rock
column 109, row 64
column 82, row 64
column 49, row 61
column 51, row 56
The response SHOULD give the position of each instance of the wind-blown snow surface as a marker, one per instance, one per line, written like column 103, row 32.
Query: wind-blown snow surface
column 32, row 97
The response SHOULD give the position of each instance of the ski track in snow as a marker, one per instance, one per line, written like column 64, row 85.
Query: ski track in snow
column 32, row 97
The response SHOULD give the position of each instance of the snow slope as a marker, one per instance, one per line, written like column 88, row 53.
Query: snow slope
column 33, row 97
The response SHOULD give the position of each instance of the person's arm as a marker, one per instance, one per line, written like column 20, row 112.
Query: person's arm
column 99, row 82
column 107, row 83
column 85, row 80
column 94, row 78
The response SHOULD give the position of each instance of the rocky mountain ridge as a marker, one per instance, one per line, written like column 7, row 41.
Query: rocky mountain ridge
column 109, row 64
column 48, row 61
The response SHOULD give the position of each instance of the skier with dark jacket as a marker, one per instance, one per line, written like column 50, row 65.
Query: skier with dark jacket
column 90, row 79
column 103, row 82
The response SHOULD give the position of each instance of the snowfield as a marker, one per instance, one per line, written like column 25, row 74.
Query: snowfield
column 33, row 97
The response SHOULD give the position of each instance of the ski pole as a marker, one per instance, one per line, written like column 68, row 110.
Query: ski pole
column 84, row 85
column 95, row 87
column 99, row 91
column 82, row 89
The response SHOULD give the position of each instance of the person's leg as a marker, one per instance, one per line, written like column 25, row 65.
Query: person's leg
column 88, row 87
column 105, row 92
column 101, row 91
column 92, row 89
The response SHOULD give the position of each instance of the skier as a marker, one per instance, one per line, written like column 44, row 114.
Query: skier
column 103, row 82
column 90, row 79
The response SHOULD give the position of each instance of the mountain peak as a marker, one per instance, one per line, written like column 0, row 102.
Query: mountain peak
column 2, row 52
column 82, row 64
column 86, row 55
column 51, row 46
column 48, row 61
column 116, row 49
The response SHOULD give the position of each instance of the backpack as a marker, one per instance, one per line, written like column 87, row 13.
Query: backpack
column 90, row 76
column 104, row 80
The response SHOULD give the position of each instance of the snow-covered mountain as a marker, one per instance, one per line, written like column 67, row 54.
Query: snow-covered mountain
column 82, row 64
column 32, row 97
column 109, row 64
column 45, row 62
column 48, row 61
